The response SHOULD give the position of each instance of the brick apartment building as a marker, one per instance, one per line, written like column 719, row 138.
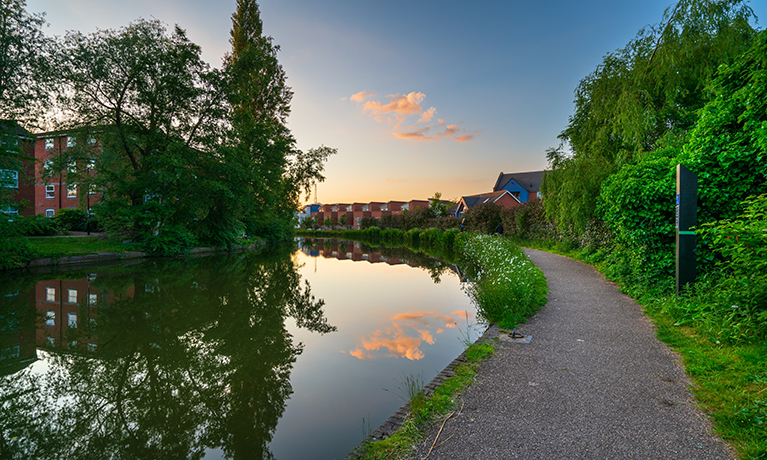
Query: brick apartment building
column 33, row 192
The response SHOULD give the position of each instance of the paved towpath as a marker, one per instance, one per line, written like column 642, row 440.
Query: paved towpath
column 593, row 383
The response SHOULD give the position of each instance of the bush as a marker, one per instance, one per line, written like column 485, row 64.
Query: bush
column 14, row 249
column 507, row 287
column 483, row 218
column 39, row 225
column 71, row 219
column 413, row 236
column 170, row 240
column 431, row 237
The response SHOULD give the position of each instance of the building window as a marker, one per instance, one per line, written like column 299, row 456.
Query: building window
column 50, row 294
column 9, row 178
column 72, row 191
column 93, row 299
column 50, row 192
column 70, row 142
column 72, row 295
column 50, row 318
column 91, row 347
column 49, row 143
column 50, row 212
column 10, row 209
column 72, row 320
column 92, row 189
column 90, row 165
column 384, row 207
column 51, row 341
column 48, row 164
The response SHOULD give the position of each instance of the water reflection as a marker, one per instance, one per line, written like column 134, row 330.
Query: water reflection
column 162, row 361
column 405, row 332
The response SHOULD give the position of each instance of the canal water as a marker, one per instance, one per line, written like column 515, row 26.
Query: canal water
column 291, row 353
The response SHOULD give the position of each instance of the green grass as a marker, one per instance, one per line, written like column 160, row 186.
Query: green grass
column 431, row 409
column 67, row 246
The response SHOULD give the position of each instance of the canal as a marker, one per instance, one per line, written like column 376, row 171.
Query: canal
column 294, row 352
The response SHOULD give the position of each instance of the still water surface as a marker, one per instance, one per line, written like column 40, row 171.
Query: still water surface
column 285, row 354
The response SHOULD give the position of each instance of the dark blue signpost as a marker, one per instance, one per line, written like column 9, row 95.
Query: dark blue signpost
column 686, row 220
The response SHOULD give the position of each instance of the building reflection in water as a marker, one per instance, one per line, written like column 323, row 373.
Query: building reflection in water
column 168, row 359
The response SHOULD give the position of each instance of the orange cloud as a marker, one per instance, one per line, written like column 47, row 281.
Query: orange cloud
column 401, row 107
column 406, row 334
column 361, row 96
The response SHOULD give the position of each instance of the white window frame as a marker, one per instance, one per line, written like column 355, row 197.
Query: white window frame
column 50, row 318
column 50, row 294
column 50, row 212
column 72, row 295
column 48, row 143
column 10, row 209
column 50, row 192
column 70, row 142
column 71, row 191
column 93, row 189
column 72, row 320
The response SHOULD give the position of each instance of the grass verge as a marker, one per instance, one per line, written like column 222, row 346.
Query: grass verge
column 68, row 246
column 428, row 410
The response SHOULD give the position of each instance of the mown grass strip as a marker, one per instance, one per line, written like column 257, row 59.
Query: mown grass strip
column 69, row 246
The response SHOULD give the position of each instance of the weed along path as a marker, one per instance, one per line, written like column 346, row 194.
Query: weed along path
column 593, row 383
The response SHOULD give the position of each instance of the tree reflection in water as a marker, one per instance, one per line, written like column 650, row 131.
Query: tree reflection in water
column 191, row 355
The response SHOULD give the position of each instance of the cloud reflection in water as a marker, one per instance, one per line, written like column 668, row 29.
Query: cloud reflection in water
column 404, row 337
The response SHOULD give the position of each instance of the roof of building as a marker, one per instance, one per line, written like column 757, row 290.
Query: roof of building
column 489, row 197
column 530, row 181
column 14, row 127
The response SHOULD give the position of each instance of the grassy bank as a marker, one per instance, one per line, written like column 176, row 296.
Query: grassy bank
column 720, row 347
column 505, row 286
column 69, row 246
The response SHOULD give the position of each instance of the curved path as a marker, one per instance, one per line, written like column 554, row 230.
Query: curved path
column 593, row 383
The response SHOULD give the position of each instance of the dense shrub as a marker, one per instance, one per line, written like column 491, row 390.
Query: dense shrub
column 507, row 288
column 431, row 237
column 71, row 219
column 14, row 249
column 38, row 225
column 482, row 218
column 170, row 241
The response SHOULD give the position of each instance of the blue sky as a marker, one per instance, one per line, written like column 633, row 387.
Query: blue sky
column 448, row 94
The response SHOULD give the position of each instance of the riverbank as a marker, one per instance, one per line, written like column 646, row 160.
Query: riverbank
column 80, row 248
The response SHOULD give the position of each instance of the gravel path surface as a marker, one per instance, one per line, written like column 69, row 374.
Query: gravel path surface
column 594, row 383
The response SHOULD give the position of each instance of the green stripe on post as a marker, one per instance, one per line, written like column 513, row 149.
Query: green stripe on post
column 686, row 232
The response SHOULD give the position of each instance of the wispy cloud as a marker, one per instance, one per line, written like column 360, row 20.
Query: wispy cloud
column 397, row 109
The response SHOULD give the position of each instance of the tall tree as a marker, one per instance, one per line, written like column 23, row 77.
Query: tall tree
column 644, row 96
column 24, row 69
column 260, row 99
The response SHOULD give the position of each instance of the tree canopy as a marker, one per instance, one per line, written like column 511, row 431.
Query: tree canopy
column 642, row 97
column 183, row 153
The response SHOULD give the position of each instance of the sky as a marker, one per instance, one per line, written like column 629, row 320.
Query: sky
column 417, row 96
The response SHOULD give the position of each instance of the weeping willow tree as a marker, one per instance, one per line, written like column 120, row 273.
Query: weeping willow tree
column 642, row 97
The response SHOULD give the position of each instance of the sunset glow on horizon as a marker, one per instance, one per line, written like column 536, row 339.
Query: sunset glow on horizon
column 418, row 97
